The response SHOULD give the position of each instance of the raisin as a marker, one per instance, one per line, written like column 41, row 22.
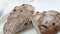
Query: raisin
column 53, row 23
column 14, row 10
column 46, row 22
column 44, row 26
column 23, row 4
column 25, row 23
column 37, row 12
column 31, row 11
column 31, row 22
column 20, row 10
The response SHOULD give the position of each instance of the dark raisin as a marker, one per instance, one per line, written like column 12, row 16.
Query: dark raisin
column 39, row 26
column 46, row 22
column 31, row 11
column 25, row 23
column 43, row 14
column 44, row 26
column 20, row 10
column 53, row 23
column 23, row 4
column 56, row 26
column 31, row 22
column 14, row 10
column 37, row 12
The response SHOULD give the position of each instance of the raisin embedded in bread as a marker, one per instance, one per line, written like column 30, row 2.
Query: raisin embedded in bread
column 18, row 19
column 47, row 22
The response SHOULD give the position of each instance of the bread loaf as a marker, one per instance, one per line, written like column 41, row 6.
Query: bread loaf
column 18, row 19
column 47, row 22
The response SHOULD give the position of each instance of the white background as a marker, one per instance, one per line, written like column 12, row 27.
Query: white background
column 40, row 5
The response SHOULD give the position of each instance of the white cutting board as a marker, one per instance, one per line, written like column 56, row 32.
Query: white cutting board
column 40, row 5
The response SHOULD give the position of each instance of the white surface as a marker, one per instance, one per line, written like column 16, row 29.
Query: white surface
column 40, row 5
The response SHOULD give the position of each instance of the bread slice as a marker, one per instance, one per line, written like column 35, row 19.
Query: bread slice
column 47, row 22
column 18, row 19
